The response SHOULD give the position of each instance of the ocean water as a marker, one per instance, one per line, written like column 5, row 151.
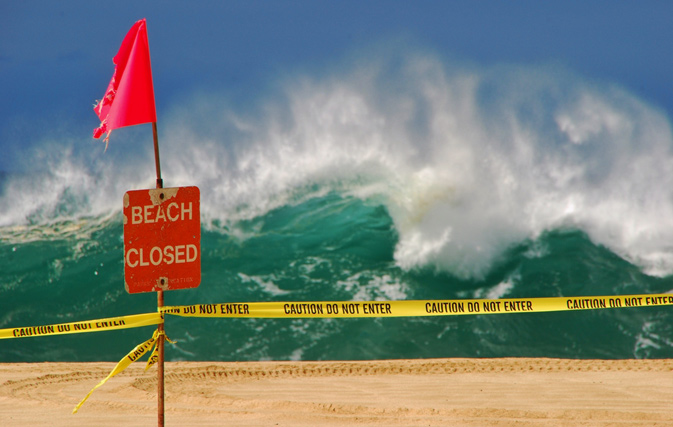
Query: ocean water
column 388, row 179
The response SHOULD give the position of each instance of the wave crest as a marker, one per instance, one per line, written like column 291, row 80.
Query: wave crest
column 468, row 161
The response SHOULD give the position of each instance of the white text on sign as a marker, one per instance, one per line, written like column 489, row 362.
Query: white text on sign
column 162, row 239
column 178, row 254
column 150, row 214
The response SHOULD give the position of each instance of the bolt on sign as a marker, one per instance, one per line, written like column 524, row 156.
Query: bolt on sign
column 162, row 239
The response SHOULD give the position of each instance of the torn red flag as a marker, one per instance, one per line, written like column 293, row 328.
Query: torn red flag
column 129, row 99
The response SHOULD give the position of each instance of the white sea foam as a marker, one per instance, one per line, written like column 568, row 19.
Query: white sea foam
column 65, row 185
column 266, row 284
column 383, row 288
column 467, row 160
column 501, row 289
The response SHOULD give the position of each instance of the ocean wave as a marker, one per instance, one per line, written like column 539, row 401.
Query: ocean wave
column 468, row 161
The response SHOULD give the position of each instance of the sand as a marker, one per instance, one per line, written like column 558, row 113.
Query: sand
column 430, row 392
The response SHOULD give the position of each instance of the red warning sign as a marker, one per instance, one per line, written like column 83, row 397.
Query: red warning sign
column 162, row 239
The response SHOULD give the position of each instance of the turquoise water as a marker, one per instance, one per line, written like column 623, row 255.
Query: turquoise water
column 421, row 182
column 329, row 248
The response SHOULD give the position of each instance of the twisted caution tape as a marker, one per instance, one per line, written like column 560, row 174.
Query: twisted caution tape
column 97, row 325
column 138, row 351
column 325, row 309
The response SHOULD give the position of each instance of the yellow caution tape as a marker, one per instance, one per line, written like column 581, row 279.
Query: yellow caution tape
column 131, row 357
column 154, row 357
column 325, row 309
column 97, row 325
column 328, row 309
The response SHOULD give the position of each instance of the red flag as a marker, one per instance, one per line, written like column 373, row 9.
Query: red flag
column 129, row 99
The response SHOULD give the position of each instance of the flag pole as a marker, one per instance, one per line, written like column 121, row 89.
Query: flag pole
column 157, row 163
column 132, row 67
column 160, row 302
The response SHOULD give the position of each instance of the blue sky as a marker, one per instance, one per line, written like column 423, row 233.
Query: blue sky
column 55, row 57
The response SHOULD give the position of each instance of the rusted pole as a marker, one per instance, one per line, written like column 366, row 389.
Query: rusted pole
column 157, row 163
column 160, row 364
column 160, row 303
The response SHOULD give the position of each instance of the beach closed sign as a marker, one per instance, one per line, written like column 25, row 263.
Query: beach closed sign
column 162, row 239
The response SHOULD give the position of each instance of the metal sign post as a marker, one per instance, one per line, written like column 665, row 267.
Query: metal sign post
column 162, row 248
column 160, row 301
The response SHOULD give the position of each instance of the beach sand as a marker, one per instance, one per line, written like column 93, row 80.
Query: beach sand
column 428, row 392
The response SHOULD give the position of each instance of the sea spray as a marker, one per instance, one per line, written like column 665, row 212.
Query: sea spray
column 467, row 162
